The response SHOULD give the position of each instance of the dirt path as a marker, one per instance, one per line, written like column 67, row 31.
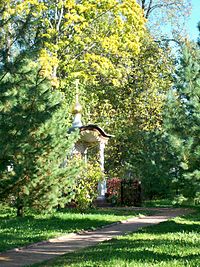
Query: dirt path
column 41, row 251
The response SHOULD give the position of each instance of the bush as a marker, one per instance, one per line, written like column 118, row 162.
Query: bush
column 179, row 200
column 124, row 192
column 86, row 189
column 114, row 190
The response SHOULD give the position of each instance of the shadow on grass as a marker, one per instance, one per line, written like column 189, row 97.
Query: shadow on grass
column 147, row 251
column 188, row 223
column 153, row 244
column 17, row 232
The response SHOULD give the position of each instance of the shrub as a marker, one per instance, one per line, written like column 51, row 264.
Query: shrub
column 124, row 192
column 86, row 189
column 114, row 190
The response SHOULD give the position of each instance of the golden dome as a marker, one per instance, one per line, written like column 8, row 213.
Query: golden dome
column 77, row 108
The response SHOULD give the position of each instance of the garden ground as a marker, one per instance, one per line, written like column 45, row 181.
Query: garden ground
column 46, row 250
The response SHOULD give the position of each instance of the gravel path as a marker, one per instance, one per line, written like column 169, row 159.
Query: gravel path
column 41, row 251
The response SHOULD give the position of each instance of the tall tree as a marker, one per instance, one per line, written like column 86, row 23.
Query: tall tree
column 136, row 107
column 160, row 13
column 183, row 120
column 33, row 141
column 33, row 123
column 90, row 40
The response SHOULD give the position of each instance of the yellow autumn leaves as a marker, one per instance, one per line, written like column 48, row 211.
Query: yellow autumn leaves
column 86, row 36
column 83, row 39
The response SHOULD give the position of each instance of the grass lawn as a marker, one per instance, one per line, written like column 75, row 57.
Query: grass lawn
column 172, row 243
column 159, row 203
column 16, row 232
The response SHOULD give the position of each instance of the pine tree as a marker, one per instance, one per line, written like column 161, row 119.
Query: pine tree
column 183, row 121
column 34, row 118
column 33, row 139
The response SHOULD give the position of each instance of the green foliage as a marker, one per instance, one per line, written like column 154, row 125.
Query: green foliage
column 31, row 140
column 114, row 190
column 183, row 120
column 159, row 203
column 153, row 161
column 180, row 200
column 139, row 101
column 34, row 118
column 86, row 185
column 125, row 76
column 133, row 112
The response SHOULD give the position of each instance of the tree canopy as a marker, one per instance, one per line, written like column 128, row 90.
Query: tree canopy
column 183, row 120
column 170, row 13
column 130, row 84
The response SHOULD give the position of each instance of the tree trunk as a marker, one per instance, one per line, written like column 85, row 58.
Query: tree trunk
column 20, row 211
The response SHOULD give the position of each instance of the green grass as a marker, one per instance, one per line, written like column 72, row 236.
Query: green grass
column 168, row 203
column 17, row 232
column 172, row 243
column 159, row 203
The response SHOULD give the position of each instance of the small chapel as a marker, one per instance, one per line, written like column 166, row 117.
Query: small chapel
column 91, row 135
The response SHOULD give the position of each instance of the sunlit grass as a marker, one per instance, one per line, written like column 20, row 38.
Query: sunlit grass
column 169, row 244
column 17, row 232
